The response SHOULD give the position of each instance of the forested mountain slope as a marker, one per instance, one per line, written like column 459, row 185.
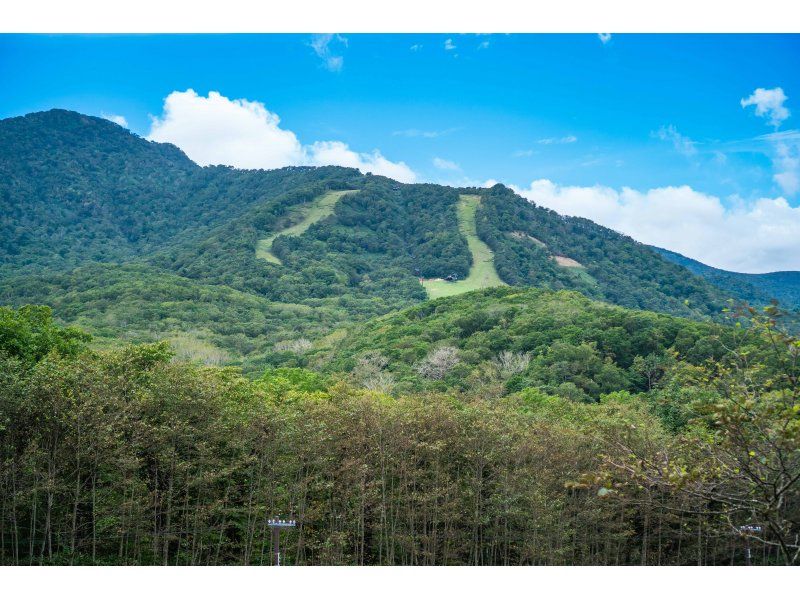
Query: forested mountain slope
column 75, row 188
column 527, row 239
column 78, row 191
column 557, row 341
column 482, row 273
column 755, row 288
column 530, row 423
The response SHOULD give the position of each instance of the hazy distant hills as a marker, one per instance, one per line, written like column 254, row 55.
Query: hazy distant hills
column 754, row 288
column 127, row 236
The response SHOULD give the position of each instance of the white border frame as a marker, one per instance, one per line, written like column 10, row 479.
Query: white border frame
column 419, row 16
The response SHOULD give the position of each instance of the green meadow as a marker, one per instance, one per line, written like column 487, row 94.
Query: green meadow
column 320, row 208
column 482, row 274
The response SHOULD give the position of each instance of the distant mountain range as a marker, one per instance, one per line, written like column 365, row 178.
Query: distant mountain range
column 128, row 237
column 757, row 289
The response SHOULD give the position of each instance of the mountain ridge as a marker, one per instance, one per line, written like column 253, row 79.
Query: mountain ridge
column 783, row 286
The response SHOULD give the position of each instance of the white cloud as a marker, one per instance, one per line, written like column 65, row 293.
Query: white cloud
column 218, row 130
column 443, row 164
column 761, row 237
column 523, row 153
column 416, row 47
column 322, row 45
column 449, row 45
column 483, row 45
column 788, row 135
column 604, row 38
column 682, row 144
column 557, row 140
column 244, row 134
column 769, row 104
column 339, row 154
column 787, row 163
column 115, row 118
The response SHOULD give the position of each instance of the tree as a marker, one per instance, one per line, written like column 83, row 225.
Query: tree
column 651, row 367
column 438, row 363
column 741, row 459
column 371, row 373
column 509, row 363
column 29, row 334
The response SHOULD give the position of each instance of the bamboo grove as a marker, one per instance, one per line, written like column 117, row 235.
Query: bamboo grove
column 131, row 457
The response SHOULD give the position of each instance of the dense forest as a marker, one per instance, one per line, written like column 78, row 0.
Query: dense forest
column 130, row 456
column 510, row 339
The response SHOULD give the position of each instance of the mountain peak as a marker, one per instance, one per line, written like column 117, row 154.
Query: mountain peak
column 66, row 133
column 63, row 120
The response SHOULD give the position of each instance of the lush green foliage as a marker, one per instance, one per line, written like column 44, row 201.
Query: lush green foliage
column 482, row 273
column 129, row 457
column 76, row 189
column 505, row 426
column 145, row 304
column 28, row 334
column 562, row 343
column 320, row 208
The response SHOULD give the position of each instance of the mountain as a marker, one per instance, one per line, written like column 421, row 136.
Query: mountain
column 536, row 246
column 757, row 289
column 130, row 238
column 76, row 189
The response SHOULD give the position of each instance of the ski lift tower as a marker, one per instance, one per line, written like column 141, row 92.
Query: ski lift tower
column 276, row 525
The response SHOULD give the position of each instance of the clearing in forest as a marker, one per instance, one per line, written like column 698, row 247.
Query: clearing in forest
column 482, row 274
column 321, row 207
column 567, row 262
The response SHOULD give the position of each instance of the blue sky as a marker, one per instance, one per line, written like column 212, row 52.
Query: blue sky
column 644, row 112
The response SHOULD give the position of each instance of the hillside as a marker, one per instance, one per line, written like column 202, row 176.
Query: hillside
column 482, row 273
column 531, row 244
column 75, row 188
column 320, row 208
column 557, row 341
column 140, row 303
column 757, row 289
column 78, row 191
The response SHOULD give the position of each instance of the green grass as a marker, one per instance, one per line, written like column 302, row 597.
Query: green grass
column 320, row 208
column 482, row 274
column 585, row 276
